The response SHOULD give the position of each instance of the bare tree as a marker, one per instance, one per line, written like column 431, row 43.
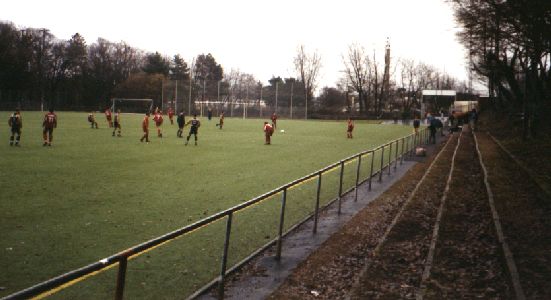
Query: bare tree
column 357, row 66
column 232, row 81
column 307, row 67
column 408, row 77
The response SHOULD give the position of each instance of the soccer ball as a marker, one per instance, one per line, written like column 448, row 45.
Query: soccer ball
column 282, row 131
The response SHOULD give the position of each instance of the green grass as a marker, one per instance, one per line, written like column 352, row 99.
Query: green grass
column 91, row 195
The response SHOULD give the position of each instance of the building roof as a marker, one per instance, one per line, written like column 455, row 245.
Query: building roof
column 451, row 93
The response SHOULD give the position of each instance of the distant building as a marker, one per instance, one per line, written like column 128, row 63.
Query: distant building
column 435, row 101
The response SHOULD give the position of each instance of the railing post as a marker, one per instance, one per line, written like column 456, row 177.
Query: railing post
column 402, row 152
column 281, row 222
column 427, row 136
column 408, row 150
column 357, row 177
column 412, row 146
column 382, row 162
column 426, row 139
column 121, row 277
column 396, row 156
column 225, row 257
column 340, row 186
column 316, row 213
column 371, row 169
column 389, row 158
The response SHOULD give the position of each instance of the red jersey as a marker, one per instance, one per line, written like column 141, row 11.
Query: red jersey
column 145, row 123
column 274, row 117
column 350, row 125
column 268, row 129
column 158, row 118
column 108, row 114
column 170, row 113
column 50, row 120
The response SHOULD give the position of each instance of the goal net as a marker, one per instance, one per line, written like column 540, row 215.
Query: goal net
column 132, row 105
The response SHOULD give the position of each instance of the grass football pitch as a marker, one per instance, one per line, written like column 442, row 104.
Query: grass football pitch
column 91, row 195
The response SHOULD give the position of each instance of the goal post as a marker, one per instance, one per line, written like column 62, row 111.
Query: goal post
column 132, row 105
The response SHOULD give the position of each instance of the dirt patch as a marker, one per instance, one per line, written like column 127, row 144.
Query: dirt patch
column 525, row 214
column 534, row 153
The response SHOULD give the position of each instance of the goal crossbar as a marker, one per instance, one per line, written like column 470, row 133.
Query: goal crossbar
column 114, row 101
column 129, row 99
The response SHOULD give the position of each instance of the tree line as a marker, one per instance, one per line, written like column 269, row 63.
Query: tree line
column 509, row 46
column 38, row 70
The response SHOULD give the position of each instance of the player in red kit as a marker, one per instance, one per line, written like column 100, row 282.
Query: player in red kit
column 145, row 128
column 108, row 117
column 49, row 123
column 170, row 113
column 158, row 119
column 274, row 120
column 268, row 131
column 350, row 128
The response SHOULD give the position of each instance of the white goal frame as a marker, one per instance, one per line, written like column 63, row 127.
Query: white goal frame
column 114, row 102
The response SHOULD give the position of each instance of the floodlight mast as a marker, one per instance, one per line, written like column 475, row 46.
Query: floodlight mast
column 190, row 76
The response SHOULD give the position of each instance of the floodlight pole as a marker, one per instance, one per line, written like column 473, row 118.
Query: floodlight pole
column 40, row 68
column 190, row 76
column 260, row 100
column 204, row 86
column 162, row 94
column 277, row 84
column 246, row 101
column 292, row 83
column 306, row 106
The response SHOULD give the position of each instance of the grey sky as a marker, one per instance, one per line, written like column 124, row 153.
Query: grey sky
column 258, row 37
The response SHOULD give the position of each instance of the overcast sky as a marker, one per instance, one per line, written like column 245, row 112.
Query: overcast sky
column 255, row 36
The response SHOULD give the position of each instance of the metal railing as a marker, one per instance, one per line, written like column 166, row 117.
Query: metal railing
column 406, row 144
